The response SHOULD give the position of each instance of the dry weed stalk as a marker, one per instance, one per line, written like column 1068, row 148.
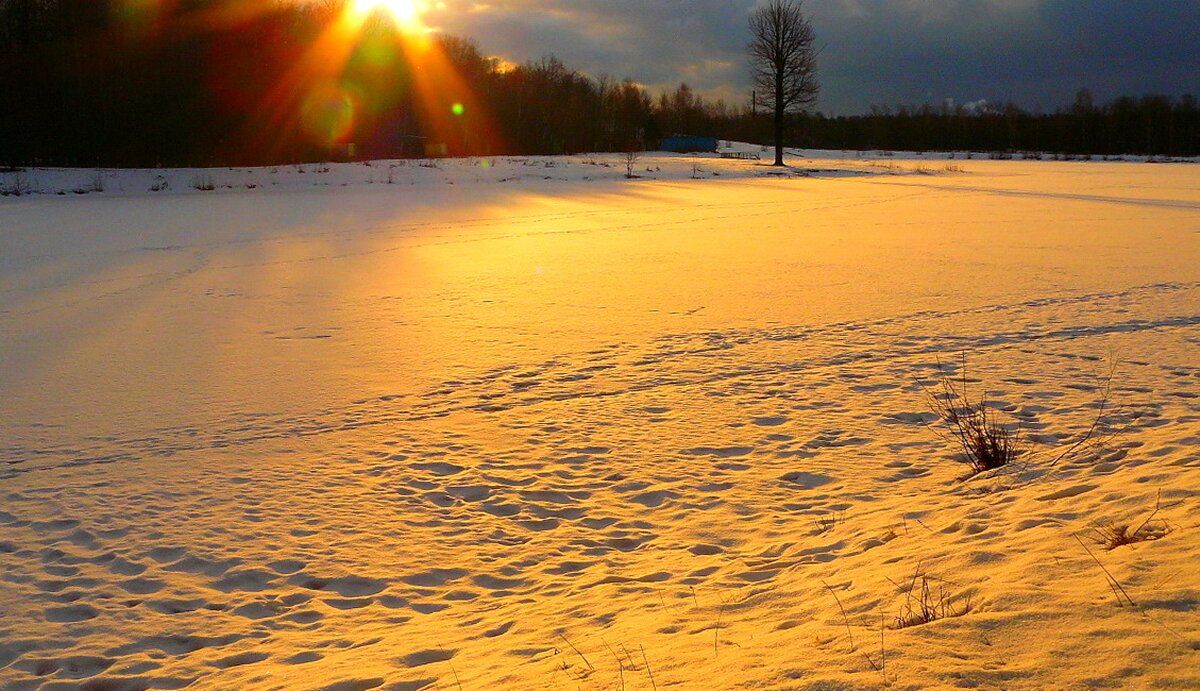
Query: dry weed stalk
column 845, row 619
column 582, row 673
column 825, row 524
column 717, row 628
column 649, row 673
column 453, row 671
column 986, row 444
column 881, row 665
column 1114, row 585
column 620, row 663
column 1094, row 438
column 1122, row 596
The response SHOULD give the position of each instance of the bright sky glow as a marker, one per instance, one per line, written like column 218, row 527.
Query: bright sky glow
column 406, row 13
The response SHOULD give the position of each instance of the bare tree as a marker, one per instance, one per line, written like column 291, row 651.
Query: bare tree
column 783, row 60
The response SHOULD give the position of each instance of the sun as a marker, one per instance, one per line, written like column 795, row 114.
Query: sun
column 405, row 13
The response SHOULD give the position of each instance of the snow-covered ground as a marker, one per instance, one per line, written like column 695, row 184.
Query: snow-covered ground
column 310, row 429
column 516, row 171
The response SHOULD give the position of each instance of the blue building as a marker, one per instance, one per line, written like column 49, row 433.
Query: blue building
column 684, row 144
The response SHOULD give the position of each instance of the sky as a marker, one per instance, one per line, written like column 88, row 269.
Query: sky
column 1037, row 53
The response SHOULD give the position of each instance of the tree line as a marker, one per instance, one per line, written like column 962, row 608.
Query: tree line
column 224, row 82
column 1150, row 125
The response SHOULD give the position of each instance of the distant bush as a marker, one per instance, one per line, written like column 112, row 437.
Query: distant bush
column 630, row 159
column 96, row 184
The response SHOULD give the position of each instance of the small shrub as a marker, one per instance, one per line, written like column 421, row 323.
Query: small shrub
column 990, row 440
column 96, row 184
column 1114, row 535
column 204, row 183
column 986, row 442
column 160, row 184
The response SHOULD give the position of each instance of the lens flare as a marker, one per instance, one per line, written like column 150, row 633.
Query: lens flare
column 328, row 113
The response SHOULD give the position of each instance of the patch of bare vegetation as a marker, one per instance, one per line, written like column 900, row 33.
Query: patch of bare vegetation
column 15, row 184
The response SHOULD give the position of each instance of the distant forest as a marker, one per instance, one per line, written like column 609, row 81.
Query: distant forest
column 224, row 82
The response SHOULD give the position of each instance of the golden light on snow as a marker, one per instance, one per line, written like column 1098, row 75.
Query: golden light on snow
column 537, row 426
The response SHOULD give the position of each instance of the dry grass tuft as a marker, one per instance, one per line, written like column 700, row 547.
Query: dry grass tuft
column 1111, row 535
column 826, row 523
column 927, row 600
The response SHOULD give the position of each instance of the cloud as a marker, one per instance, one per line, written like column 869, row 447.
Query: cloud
column 655, row 42
column 1035, row 52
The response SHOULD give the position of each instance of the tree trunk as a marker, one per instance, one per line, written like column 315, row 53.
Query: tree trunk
column 779, row 107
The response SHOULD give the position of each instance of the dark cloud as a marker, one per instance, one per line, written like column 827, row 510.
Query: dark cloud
column 1035, row 52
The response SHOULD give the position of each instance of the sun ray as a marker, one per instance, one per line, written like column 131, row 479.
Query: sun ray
column 320, row 101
